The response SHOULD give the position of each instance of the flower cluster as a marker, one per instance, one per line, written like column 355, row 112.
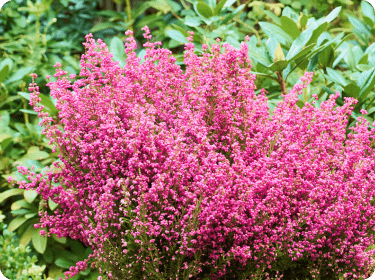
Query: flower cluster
column 172, row 174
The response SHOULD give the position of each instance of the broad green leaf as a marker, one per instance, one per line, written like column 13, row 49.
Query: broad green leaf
column 366, row 82
column 368, row 10
column 20, row 73
column 274, row 30
column 204, row 10
column 8, row 193
column 192, row 21
column 336, row 77
column 326, row 56
column 259, row 58
column 177, row 35
column 61, row 240
column 332, row 15
column 6, row 61
column 289, row 26
column 39, row 242
column 352, row 90
column 271, row 46
column 5, row 142
column 30, row 195
column 340, row 57
column 4, row 73
column 117, row 47
column 16, row 223
column 229, row 3
column 64, row 263
column 52, row 205
column 20, row 128
column 31, row 112
column 313, row 63
column 360, row 26
column 219, row 7
column 316, row 33
column 363, row 59
column 4, row 119
column 363, row 67
column 279, row 54
column 35, row 153
column 26, row 236
column 278, row 65
column 302, row 53
column 303, row 20
column 299, row 43
column 20, row 204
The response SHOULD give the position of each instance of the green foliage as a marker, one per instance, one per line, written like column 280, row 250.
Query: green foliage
column 15, row 259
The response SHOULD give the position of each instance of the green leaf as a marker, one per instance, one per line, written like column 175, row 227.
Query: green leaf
column 101, row 26
column 304, row 52
column 4, row 120
column 316, row 33
column 360, row 26
column 326, row 56
column 352, row 90
column 274, row 30
column 332, row 15
column 313, row 62
column 20, row 204
column 177, row 35
column 35, row 153
column 64, row 263
column 336, row 77
column 368, row 11
column 61, row 240
column 204, row 10
column 47, row 102
column 4, row 73
column 52, row 205
column 279, row 54
column 22, row 72
column 26, row 236
column 31, row 112
column 30, row 195
column 192, row 21
column 278, row 65
column 5, row 143
column 39, row 242
column 275, row 18
column 16, row 223
column 8, row 193
column 366, row 82
column 363, row 67
column 303, row 20
column 289, row 26
column 117, row 47
column 219, row 7
column 299, row 43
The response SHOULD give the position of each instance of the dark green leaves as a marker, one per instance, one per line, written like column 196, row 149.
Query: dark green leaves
column 204, row 10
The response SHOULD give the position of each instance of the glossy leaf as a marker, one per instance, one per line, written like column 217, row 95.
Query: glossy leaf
column 20, row 73
column 368, row 10
column 332, row 15
column 39, row 242
column 278, row 65
column 4, row 73
column 16, row 223
column 177, row 35
column 26, row 236
column 274, row 30
column 299, row 43
column 64, row 263
column 279, row 54
column 352, row 90
column 8, row 193
column 336, row 77
column 30, row 195
column 316, row 33
column 366, row 82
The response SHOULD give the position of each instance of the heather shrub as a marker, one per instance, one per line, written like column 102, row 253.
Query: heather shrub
column 171, row 174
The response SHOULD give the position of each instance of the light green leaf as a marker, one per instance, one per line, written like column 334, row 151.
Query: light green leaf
column 192, row 21
column 278, row 65
column 22, row 72
column 26, row 236
column 52, row 205
column 274, row 30
column 275, row 18
column 117, row 47
column 16, row 223
column 39, row 242
column 219, row 7
column 61, row 240
column 304, row 52
column 4, row 73
column 368, row 10
column 64, row 263
column 177, row 35
column 289, row 26
column 332, row 15
column 8, row 193
column 299, row 43
column 316, row 33
column 30, row 195
column 352, row 90
column 204, row 10
column 20, row 204
column 35, row 153
column 336, row 77
column 366, row 82
column 279, row 54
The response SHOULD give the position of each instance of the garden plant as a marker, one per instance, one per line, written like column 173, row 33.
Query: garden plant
column 171, row 174
column 212, row 159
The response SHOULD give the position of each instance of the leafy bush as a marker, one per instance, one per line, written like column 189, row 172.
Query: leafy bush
column 15, row 259
column 166, row 173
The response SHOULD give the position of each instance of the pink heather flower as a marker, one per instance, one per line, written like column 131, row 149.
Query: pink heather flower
column 192, row 161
